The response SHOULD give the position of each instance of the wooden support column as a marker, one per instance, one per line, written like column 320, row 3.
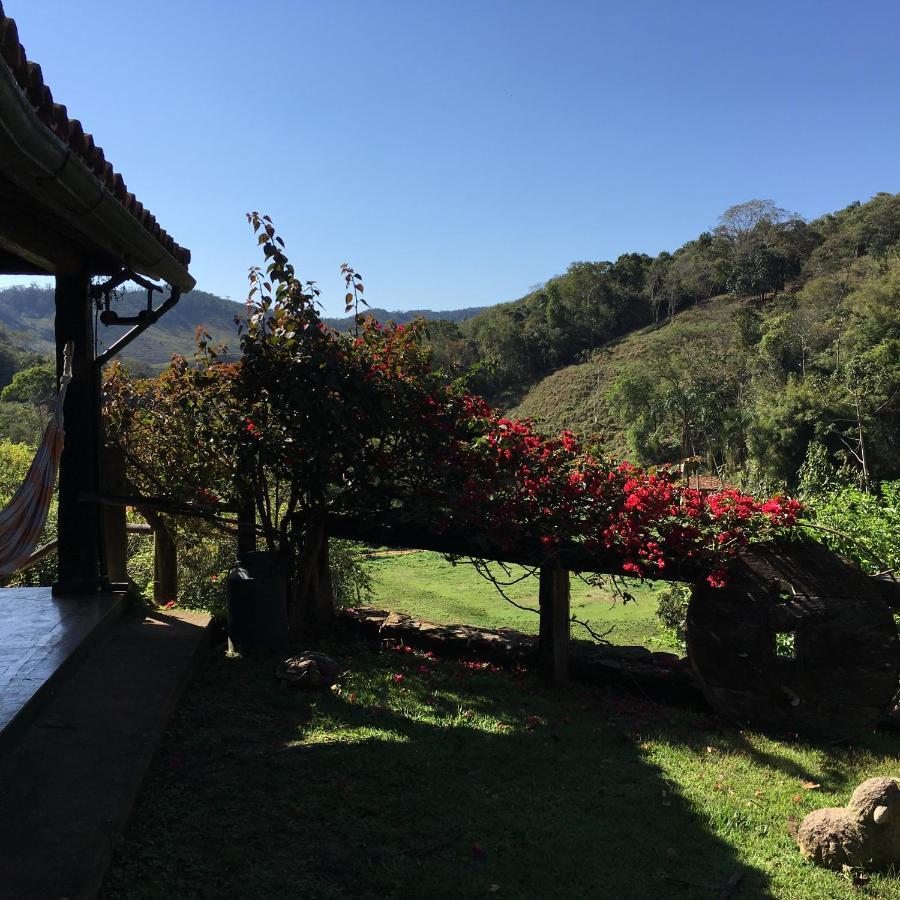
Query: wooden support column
column 553, row 640
column 80, row 528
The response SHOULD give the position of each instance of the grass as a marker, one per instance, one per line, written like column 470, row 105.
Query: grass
column 417, row 778
column 425, row 585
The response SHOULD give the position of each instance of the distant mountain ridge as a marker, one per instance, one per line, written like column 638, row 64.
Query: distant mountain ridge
column 401, row 318
column 27, row 313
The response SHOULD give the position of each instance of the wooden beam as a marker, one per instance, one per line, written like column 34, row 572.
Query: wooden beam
column 553, row 639
column 31, row 241
column 11, row 264
column 456, row 542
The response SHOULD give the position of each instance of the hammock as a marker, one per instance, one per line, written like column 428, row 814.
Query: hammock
column 24, row 517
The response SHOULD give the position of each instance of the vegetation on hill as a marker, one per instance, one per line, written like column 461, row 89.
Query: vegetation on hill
column 578, row 396
column 27, row 311
column 346, row 323
column 748, row 347
column 21, row 420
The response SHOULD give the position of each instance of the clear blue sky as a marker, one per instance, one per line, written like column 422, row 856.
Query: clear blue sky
column 457, row 153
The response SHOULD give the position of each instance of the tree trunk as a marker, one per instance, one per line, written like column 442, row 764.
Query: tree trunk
column 311, row 601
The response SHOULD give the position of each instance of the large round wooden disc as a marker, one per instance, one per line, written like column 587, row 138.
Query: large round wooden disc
column 833, row 671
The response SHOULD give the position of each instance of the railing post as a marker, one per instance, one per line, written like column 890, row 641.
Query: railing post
column 553, row 640
column 114, row 518
column 165, row 559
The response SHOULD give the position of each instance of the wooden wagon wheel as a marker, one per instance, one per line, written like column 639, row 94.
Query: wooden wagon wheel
column 798, row 642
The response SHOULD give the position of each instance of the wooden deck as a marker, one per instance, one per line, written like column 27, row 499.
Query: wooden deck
column 41, row 638
column 69, row 781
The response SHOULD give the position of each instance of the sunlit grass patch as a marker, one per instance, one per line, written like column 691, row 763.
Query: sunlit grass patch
column 420, row 777
column 426, row 586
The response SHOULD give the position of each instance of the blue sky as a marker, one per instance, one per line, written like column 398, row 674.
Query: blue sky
column 458, row 153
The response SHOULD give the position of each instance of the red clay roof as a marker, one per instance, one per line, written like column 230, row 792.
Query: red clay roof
column 70, row 131
column 708, row 483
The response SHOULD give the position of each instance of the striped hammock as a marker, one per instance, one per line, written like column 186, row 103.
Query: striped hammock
column 24, row 517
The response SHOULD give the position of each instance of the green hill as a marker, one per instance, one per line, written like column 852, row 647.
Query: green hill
column 27, row 311
column 578, row 396
column 344, row 323
column 765, row 344
column 760, row 344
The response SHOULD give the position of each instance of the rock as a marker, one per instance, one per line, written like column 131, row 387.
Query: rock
column 863, row 834
column 665, row 660
column 629, row 654
column 309, row 670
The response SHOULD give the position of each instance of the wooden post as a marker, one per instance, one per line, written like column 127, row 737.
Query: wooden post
column 115, row 522
column 80, row 531
column 246, row 525
column 165, row 566
column 553, row 640
column 165, row 559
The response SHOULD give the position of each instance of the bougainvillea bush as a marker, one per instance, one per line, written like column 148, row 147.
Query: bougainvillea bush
column 311, row 423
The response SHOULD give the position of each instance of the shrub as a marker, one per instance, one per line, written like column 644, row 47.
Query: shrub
column 351, row 580
column 15, row 459
column 671, row 611
column 864, row 527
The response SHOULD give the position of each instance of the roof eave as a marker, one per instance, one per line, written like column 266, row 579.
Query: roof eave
column 43, row 166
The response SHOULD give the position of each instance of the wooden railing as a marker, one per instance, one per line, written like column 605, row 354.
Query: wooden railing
column 554, row 564
column 49, row 548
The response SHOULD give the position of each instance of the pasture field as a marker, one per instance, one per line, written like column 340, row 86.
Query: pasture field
column 425, row 585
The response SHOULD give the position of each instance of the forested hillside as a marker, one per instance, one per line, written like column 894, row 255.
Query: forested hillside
column 757, row 343
column 751, row 346
column 27, row 312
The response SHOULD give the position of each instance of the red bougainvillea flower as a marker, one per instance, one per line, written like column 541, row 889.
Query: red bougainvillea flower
column 374, row 433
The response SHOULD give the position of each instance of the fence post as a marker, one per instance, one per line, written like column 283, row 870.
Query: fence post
column 553, row 640
column 165, row 559
column 165, row 566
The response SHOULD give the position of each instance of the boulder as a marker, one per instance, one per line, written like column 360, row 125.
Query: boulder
column 309, row 670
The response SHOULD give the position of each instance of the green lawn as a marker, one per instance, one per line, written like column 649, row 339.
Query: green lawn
column 418, row 778
column 425, row 585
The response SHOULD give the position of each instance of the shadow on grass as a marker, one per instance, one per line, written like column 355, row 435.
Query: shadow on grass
column 445, row 785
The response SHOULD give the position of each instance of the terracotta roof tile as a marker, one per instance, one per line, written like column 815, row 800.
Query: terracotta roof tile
column 55, row 116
